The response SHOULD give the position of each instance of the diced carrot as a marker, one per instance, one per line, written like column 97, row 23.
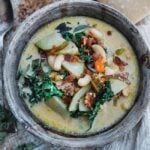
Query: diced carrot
column 99, row 65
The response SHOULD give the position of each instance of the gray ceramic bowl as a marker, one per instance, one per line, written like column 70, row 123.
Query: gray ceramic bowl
column 76, row 8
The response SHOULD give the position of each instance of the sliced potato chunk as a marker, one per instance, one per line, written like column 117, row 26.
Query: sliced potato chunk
column 57, row 105
column 82, row 106
column 77, row 97
column 117, row 85
column 71, row 49
column 75, row 68
column 53, row 40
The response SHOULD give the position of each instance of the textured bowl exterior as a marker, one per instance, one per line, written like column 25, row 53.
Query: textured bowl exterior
column 76, row 8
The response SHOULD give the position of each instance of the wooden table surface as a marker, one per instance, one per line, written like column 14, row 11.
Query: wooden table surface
column 137, row 139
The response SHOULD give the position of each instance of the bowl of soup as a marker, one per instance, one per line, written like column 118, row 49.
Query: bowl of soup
column 76, row 74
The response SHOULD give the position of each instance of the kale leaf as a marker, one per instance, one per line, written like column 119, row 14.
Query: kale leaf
column 68, row 36
column 78, row 41
column 37, row 85
column 62, row 28
column 45, row 89
column 85, row 56
column 75, row 38
column 78, row 38
column 101, row 98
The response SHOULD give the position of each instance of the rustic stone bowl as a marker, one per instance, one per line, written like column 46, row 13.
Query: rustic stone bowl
column 76, row 8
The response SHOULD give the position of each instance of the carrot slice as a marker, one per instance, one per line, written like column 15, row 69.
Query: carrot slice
column 99, row 65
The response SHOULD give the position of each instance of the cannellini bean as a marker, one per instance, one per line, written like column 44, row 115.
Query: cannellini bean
column 51, row 60
column 94, row 33
column 125, row 106
column 58, row 62
column 99, row 50
column 109, row 71
column 85, row 80
column 126, row 91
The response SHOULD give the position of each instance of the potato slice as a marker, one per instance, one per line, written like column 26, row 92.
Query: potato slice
column 82, row 106
column 57, row 105
column 75, row 68
column 117, row 85
column 77, row 97
column 53, row 40
column 71, row 49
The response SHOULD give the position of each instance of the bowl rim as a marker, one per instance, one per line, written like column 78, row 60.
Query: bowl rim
column 96, row 140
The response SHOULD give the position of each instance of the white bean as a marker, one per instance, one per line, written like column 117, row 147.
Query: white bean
column 94, row 33
column 126, row 91
column 125, row 106
column 85, row 80
column 58, row 62
column 109, row 71
column 51, row 60
column 99, row 50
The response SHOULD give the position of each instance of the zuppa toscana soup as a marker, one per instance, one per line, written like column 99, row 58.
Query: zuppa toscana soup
column 78, row 75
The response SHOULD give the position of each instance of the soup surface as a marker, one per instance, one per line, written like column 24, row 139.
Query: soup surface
column 78, row 75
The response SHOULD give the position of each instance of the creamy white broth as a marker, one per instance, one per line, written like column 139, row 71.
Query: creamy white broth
column 109, row 113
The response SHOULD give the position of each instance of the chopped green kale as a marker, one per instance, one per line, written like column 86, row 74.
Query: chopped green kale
column 85, row 56
column 78, row 38
column 68, row 36
column 37, row 85
column 101, row 98
column 62, row 28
